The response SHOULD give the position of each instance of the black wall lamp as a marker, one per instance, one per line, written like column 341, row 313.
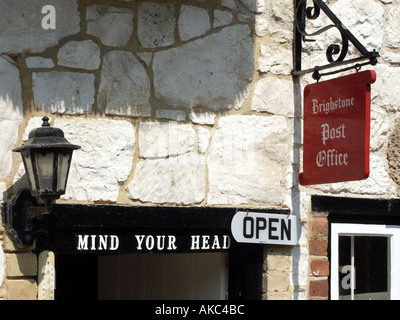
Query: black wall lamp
column 47, row 158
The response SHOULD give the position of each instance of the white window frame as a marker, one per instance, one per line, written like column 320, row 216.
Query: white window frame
column 390, row 231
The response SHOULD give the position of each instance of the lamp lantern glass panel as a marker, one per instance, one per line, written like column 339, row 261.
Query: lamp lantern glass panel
column 44, row 163
column 47, row 171
column 64, row 162
column 26, row 157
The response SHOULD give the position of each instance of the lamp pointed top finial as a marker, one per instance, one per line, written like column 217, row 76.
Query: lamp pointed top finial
column 45, row 122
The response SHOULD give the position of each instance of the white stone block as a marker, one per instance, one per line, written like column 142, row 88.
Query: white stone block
column 222, row 18
column 3, row 194
column 156, row 24
column 213, row 72
column 257, row 6
column 63, row 92
column 393, row 26
column 202, row 116
column 228, row 4
column 384, row 92
column 39, row 62
column 79, row 54
column 276, row 59
column 365, row 19
column 279, row 19
column 21, row 24
column 193, row 22
column 281, row 14
column 124, row 85
column 104, row 161
column 379, row 128
column 391, row 57
column 10, row 92
column 378, row 183
column 204, row 136
column 112, row 25
column 8, row 138
column 11, row 113
column 177, row 115
column 261, row 24
column 274, row 95
column 178, row 180
column 34, row 122
column 248, row 161
column 162, row 139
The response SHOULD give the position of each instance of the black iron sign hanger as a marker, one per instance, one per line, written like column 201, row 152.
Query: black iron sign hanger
column 304, row 12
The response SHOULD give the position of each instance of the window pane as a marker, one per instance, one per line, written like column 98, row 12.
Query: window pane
column 371, row 263
column 369, row 256
column 344, row 265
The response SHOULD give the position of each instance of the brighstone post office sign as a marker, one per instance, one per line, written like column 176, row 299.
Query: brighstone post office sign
column 337, row 129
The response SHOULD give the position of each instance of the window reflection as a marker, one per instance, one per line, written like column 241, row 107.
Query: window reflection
column 363, row 267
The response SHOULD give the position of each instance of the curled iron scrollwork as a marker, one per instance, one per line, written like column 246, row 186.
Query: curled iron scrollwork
column 312, row 13
column 335, row 53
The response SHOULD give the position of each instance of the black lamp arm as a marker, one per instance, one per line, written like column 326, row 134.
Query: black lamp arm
column 21, row 216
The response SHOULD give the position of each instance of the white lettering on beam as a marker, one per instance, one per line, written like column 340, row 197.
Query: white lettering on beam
column 203, row 242
column 155, row 242
column 97, row 242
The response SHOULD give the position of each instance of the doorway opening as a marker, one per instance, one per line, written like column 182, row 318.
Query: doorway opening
column 180, row 276
column 233, row 275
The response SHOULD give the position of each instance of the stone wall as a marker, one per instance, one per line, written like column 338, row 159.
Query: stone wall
column 180, row 103
column 154, row 82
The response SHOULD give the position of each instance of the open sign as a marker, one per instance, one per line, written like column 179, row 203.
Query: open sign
column 265, row 228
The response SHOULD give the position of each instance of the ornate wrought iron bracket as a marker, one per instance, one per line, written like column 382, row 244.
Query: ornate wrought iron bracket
column 21, row 216
column 301, row 14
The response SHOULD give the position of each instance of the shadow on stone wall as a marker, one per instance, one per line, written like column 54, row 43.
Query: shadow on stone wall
column 131, row 59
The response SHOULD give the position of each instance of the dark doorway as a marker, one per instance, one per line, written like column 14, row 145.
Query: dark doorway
column 76, row 277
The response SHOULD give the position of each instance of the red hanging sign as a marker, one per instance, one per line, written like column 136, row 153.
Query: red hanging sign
column 336, row 129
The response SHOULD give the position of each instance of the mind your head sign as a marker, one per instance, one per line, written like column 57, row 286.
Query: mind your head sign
column 337, row 129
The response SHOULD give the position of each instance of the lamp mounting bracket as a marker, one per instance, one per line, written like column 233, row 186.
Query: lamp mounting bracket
column 304, row 12
column 21, row 215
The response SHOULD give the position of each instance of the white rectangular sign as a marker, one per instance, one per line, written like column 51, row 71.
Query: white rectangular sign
column 265, row 228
